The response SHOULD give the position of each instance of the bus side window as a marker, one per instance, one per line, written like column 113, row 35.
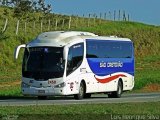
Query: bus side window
column 75, row 57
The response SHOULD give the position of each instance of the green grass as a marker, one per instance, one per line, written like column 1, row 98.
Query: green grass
column 147, row 71
column 146, row 77
column 78, row 112
column 10, row 91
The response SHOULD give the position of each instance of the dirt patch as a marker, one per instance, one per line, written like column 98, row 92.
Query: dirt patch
column 8, row 84
column 151, row 88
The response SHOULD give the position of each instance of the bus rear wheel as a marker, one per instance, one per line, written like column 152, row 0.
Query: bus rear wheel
column 81, row 93
column 118, row 93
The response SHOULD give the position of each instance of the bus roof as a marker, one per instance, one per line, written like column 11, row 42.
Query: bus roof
column 61, row 38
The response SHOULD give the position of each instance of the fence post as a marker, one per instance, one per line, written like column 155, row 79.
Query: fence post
column 63, row 24
column 110, row 15
column 89, row 20
column 105, row 16
column 69, row 25
column 5, row 25
column 124, row 16
column 119, row 15
column 100, row 17
column 76, row 21
column 128, row 17
column 93, row 19
column 41, row 26
column 17, row 27
column 114, row 15
column 56, row 24
column 96, row 19
column 49, row 24
column 83, row 20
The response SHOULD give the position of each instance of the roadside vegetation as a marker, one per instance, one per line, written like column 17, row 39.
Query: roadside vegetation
column 84, row 112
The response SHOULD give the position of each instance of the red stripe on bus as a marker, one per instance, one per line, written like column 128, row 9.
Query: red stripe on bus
column 108, row 79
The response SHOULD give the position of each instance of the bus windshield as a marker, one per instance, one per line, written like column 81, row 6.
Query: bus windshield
column 43, row 63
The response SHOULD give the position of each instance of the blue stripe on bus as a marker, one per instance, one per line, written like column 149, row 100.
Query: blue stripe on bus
column 94, row 64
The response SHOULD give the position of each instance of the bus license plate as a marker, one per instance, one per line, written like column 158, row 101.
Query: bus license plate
column 41, row 91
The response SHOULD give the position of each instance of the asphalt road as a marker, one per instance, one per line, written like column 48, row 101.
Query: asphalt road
column 67, row 100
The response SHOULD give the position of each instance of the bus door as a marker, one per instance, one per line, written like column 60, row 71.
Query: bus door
column 74, row 61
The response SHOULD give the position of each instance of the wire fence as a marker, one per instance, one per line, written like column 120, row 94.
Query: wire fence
column 26, row 27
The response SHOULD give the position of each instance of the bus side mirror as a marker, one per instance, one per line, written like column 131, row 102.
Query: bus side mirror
column 65, row 53
column 17, row 49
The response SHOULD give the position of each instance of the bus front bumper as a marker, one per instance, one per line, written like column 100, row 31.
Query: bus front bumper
column 48, row 91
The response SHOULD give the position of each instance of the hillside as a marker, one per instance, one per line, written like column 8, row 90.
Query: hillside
column 145, row 37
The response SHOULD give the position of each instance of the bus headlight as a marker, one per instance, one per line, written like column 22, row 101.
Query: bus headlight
column 60, row 85
column 24, row 85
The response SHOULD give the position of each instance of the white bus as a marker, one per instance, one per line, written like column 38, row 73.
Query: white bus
column 77, row 63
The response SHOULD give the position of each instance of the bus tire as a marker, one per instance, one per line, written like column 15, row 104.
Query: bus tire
column 87, row 95
column 42, row 97
column 81, row 93
column 118, row 93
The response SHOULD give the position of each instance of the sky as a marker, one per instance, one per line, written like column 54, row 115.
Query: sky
column 145, row 11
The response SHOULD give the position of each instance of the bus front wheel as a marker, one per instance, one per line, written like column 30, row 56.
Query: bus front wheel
column 42, row 97
column 81, row 93
column 87, row 95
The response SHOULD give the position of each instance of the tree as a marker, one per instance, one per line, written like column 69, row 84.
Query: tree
column 8, row 3
column 4, row 2
column 41, row 7
column 23, row 7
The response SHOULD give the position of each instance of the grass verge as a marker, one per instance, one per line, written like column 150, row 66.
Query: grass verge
column 79, row 112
